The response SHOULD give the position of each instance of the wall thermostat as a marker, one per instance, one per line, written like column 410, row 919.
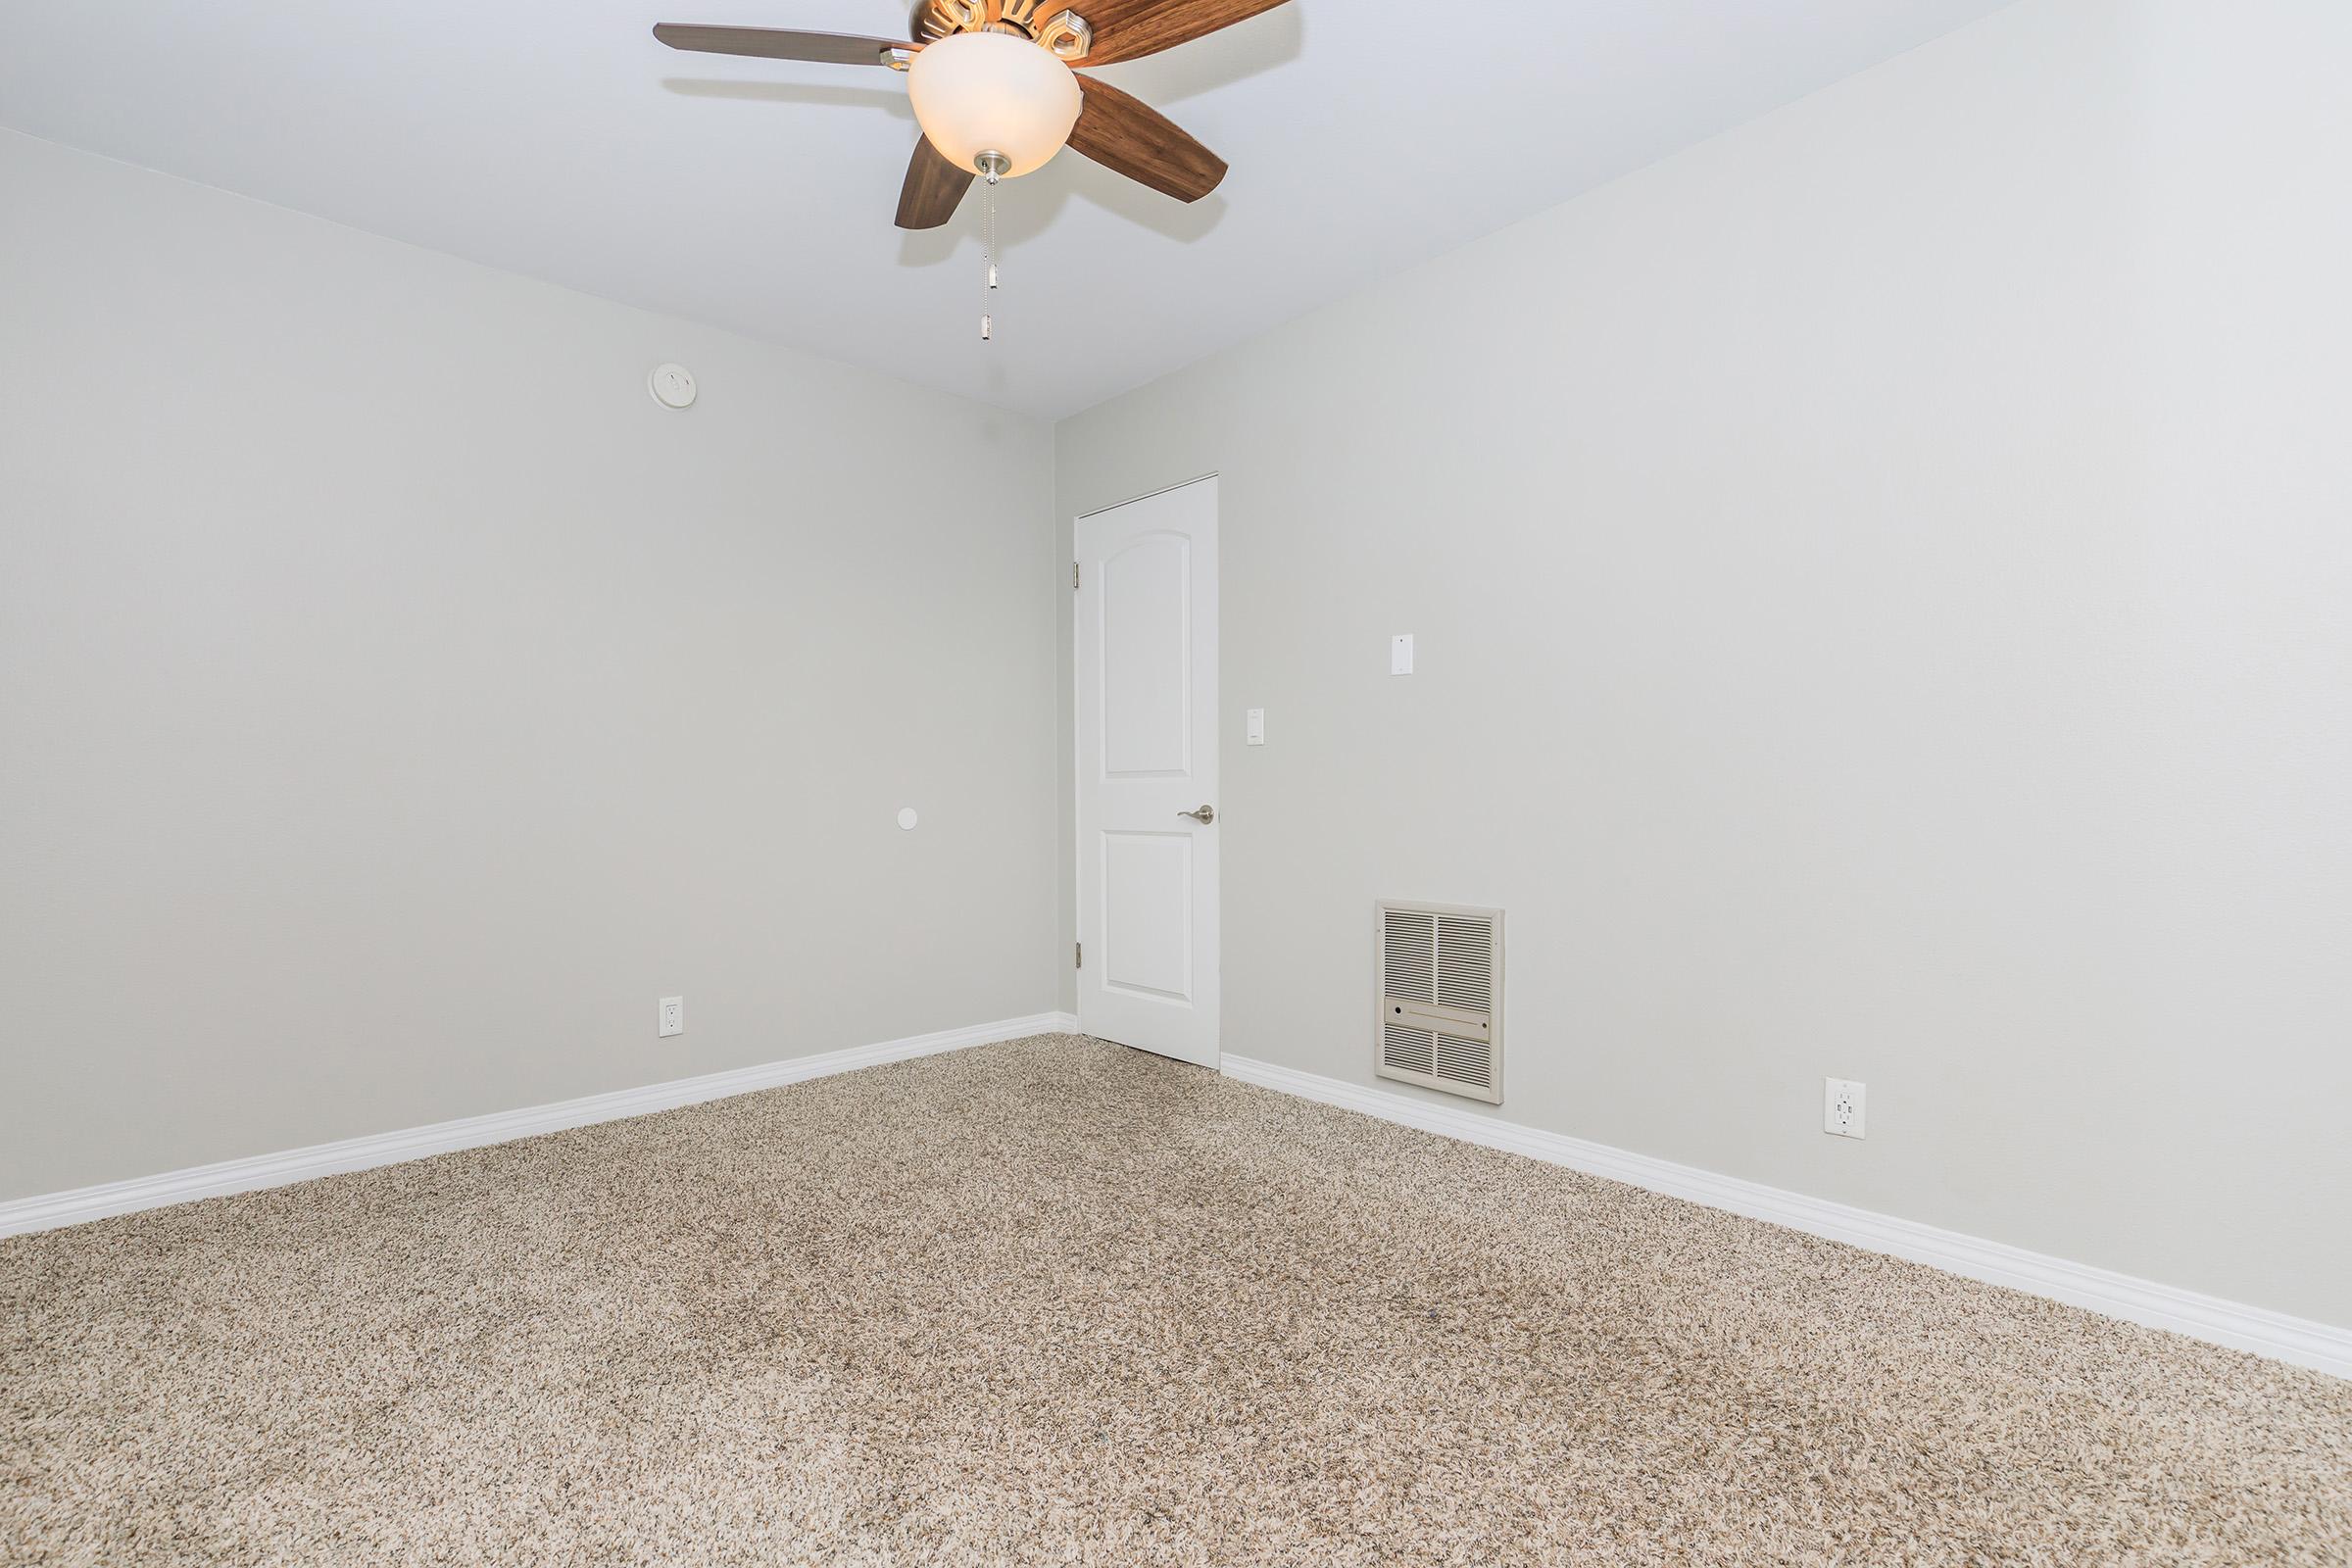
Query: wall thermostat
column 906, row 818
column 672, row 385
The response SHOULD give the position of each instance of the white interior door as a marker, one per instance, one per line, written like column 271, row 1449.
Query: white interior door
column 1146, row 678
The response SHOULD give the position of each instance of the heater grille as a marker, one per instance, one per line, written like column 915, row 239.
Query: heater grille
column 1410, row 1050
column 1439, row 998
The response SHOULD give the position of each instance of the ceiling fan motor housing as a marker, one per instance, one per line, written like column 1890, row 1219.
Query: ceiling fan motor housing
column 1059, row 29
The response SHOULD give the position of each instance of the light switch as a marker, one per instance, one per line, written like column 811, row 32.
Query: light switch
column 1400, row 653
column 1257, row 726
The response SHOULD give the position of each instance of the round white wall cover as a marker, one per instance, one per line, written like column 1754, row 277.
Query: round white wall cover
column 906, row 817
column 672, row 385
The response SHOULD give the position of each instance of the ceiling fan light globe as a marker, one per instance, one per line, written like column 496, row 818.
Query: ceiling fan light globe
column 990, row 92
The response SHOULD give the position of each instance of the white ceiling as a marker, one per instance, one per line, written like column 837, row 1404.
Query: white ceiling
column 556, row 138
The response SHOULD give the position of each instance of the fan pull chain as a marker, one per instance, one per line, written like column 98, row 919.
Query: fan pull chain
column 988, row 254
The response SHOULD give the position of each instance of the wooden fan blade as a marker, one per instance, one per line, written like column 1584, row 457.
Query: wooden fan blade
column 766, row 44
column 1123, row 132
column 934, row 186
column 1127, row 28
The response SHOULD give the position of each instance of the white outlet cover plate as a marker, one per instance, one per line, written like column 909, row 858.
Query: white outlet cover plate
column 1843, row 1105
column 1257, row 727
column 1400, row 653
column 673, row 1019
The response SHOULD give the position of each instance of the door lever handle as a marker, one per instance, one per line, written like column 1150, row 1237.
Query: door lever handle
column 1206, row 815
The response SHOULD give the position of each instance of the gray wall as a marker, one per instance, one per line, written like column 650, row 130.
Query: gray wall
column 395, row 702
column 1881, row 585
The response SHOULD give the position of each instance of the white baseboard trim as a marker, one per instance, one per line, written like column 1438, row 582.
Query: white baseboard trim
column 2209, row 1318
column 474, row 1132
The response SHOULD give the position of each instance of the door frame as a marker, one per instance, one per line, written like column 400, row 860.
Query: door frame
column 1078, row 762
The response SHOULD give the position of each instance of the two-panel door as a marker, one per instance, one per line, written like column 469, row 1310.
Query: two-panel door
column 1145, row 659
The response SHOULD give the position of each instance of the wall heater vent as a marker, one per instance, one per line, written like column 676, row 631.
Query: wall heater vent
column 1441, row 997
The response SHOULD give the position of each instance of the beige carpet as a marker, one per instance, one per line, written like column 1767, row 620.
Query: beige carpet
column 1058, row 1302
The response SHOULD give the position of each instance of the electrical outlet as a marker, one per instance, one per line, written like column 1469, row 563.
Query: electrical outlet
column 1842, row 1107
column 674, row 1016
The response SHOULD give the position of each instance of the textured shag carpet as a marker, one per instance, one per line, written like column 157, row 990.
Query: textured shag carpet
column 1055, row 1301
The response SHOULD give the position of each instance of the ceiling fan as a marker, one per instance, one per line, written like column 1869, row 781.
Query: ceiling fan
column 992, row 89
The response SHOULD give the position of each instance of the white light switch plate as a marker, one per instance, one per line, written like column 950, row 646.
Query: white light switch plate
column 1257, row 726
column 674, row 1016
column 1400, row 653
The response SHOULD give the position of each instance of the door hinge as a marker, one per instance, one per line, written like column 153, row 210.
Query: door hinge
column 1077, row 955
column 1073, row 575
